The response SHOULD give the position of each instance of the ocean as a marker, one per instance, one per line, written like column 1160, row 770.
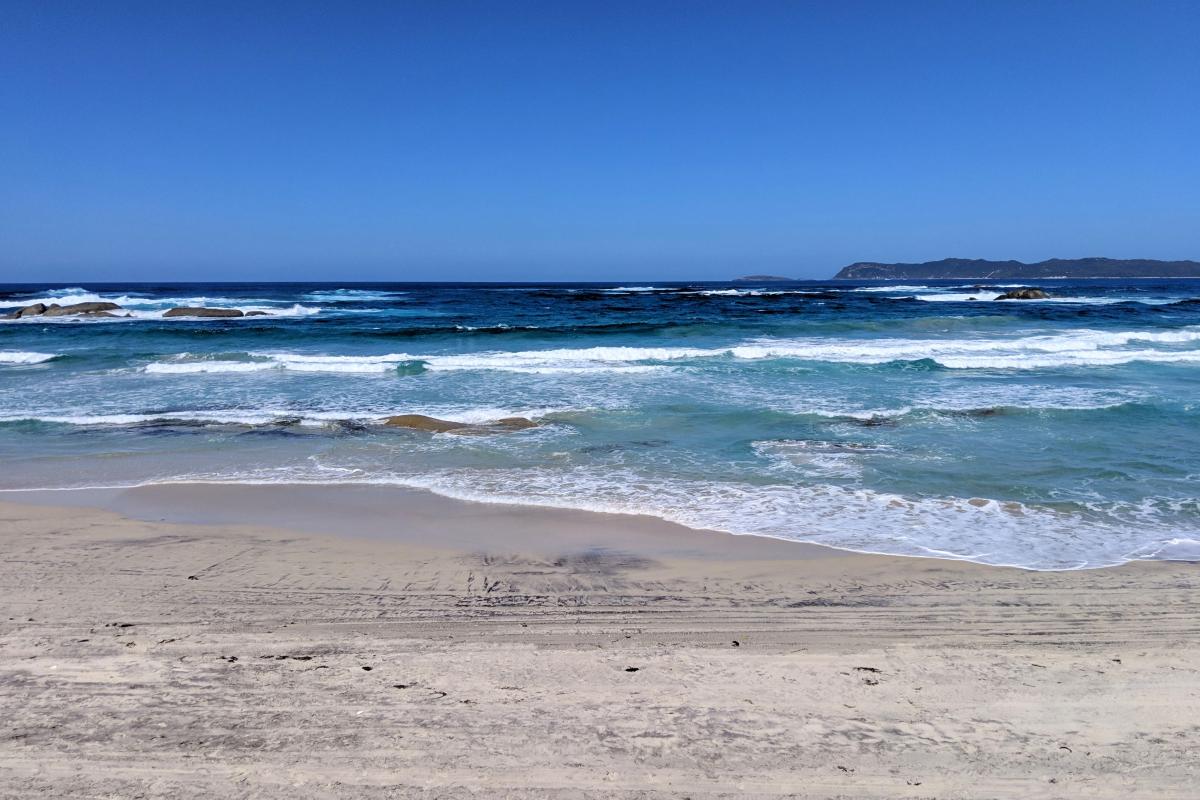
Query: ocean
column 926, row 419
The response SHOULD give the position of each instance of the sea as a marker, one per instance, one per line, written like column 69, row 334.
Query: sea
column 916, row 419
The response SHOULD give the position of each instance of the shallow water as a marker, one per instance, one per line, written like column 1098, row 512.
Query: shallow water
column 903, row 419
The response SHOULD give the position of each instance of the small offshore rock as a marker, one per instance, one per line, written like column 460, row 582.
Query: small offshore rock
column 1024, row 294
column 37, row 309
column 93, row 309
column 55, row 310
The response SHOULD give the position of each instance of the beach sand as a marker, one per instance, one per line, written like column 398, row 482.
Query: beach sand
column 233, row 641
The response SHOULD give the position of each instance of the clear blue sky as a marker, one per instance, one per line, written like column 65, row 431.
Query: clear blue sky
column 578, row 140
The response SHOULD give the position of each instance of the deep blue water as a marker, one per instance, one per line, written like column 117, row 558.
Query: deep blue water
column 894, row 418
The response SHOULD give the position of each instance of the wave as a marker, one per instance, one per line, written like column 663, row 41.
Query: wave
column 971, row 403
column 761, row 293
column 1081, row 348
column 987, row 296
column 352, row 296
column 285, row 416
column 277, row 416
column 497, row 328
column 959, row 297
column 16, row 357
column 520, row 331
column 631, row 289
column 380, row 365
column 1076, row 348
column 888, row 289
column 188, row 363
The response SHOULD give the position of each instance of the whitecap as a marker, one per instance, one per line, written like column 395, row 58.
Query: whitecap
column 17, row 357
column 352, row 295
column 638, row 289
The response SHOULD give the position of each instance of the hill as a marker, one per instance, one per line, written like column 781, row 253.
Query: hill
column 982, row 269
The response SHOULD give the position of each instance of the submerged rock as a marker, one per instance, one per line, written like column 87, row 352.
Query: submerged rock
column 1024, row 294
column 203, row 312
column 513, row 424
column 346, row 426
column 873, row 422
column 981, row 412
column 421, row 422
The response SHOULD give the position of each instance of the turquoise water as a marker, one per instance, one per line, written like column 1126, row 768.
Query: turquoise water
column 905, row 419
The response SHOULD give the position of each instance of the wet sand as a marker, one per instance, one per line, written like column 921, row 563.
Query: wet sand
column 232, row 641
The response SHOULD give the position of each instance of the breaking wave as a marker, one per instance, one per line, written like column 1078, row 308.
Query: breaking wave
column 9, row 357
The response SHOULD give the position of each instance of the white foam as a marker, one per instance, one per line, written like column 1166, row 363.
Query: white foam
column 749, row 292
column 815, row 459
column 561, row 361
column 627, row 369
column 186, row 363
column 351, row 295
column 852, row 413
column 17, row 357
column 267, row 416
column 972, row 529
column 987, row 295
column 1071, row 348
column 957, row 297
column 638, row 289
column 1174, row 549
column 233, row 417
column 190, row 367
column 323, row 363
column 70, row 296
column 888, row 289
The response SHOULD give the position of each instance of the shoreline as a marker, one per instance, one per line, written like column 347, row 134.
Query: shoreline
column 408, row 515
column 468, row 650
column 177, row 502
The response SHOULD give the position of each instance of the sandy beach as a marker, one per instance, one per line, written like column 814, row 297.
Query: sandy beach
column 369, row 642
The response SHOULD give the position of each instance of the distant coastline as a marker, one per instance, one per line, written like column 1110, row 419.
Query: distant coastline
column 983, row 269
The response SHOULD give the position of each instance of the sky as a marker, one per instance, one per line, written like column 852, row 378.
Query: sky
column 583, row 140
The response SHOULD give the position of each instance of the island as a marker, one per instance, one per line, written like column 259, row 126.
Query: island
column 762, row 279
column 982, row 269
